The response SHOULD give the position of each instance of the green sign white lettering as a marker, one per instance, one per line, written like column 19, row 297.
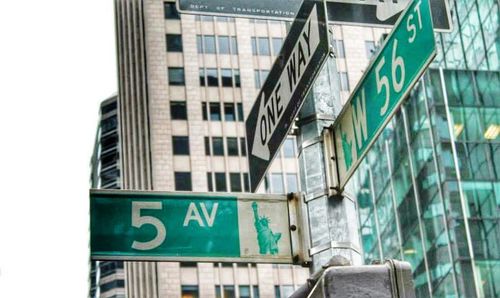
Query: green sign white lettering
column 180, row 226
column 404, row 57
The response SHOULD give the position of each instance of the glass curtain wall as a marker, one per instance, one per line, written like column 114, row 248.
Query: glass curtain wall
column 429, row 190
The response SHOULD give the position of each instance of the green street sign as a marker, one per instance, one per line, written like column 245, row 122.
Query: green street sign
column 405, row 55
column 178, row 226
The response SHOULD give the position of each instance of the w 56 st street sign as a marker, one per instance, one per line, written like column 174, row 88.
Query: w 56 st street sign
column 303, row 53
column 177, row 226
column 390, row 77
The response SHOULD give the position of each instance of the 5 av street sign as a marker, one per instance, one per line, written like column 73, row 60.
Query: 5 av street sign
column 176, row 226
column 403, row 58
column 304, row 51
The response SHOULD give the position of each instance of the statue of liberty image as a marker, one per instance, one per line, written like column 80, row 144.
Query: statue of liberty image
column 268, row 240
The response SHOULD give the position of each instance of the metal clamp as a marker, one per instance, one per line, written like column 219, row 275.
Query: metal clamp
column 309, row 143
column 333, row 245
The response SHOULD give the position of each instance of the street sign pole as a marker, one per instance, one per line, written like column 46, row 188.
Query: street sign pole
column 332, row 220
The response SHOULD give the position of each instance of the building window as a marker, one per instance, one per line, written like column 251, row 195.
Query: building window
column 183, row 181
column 239, row 108
column 212, row 77
column 255, row 290
column 254, row 46
column 202, row 77
column 178, row 110
column 210, row 183
column 117, row 283
column 338, row 45
column 215, row 111
column 217, row 146
column 223, row 42
column 235, row 182
column 370, row 48
column 209, row 44
column 189, row 291
column 204, row 112
column 228, row 291
column 277, row 183
column 263, row 43
column 174, row 43
column 176, row 76
column 109, row 124
column 229, row 114
column 244, row 291
column 344, row 81
column 199, row 44
column 243, row 147
column 207, row 146
column 289, row 147
column 277, row 293
column 181, row 145
column 170, row 11
column 237, row 81
column 227, row 77
column 220, row 182
column 277, row 43
column 234, row 45
column 260, row 77
column 232, row 146
column 291, row 181
column 246, row 182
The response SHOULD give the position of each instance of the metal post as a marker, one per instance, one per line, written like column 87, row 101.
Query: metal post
column 333, row 222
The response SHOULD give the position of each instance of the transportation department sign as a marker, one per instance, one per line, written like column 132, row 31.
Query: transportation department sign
column 275, row 9
column 381, row 13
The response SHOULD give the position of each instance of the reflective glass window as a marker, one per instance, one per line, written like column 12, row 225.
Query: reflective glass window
column 223, row 42
column 215, row 113
column 227, row 77
column 180, row 145
column 183, row 181
column 176, row 76
column 174, row 42
column 289, row 147
column 170, row 11
column 277, row 43
column 209, row 44
column 220, row 182
column 264, row 46
column 229, row 112
column 232, row 146
column 217, row 146
column 235, row 182
column 212, row 77
column 277, row 183
column 189, row 291
column 178, row 110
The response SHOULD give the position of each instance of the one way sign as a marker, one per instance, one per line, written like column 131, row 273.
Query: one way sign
column 302, row 55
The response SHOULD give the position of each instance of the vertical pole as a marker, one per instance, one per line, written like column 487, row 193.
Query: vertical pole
column 333, row 222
